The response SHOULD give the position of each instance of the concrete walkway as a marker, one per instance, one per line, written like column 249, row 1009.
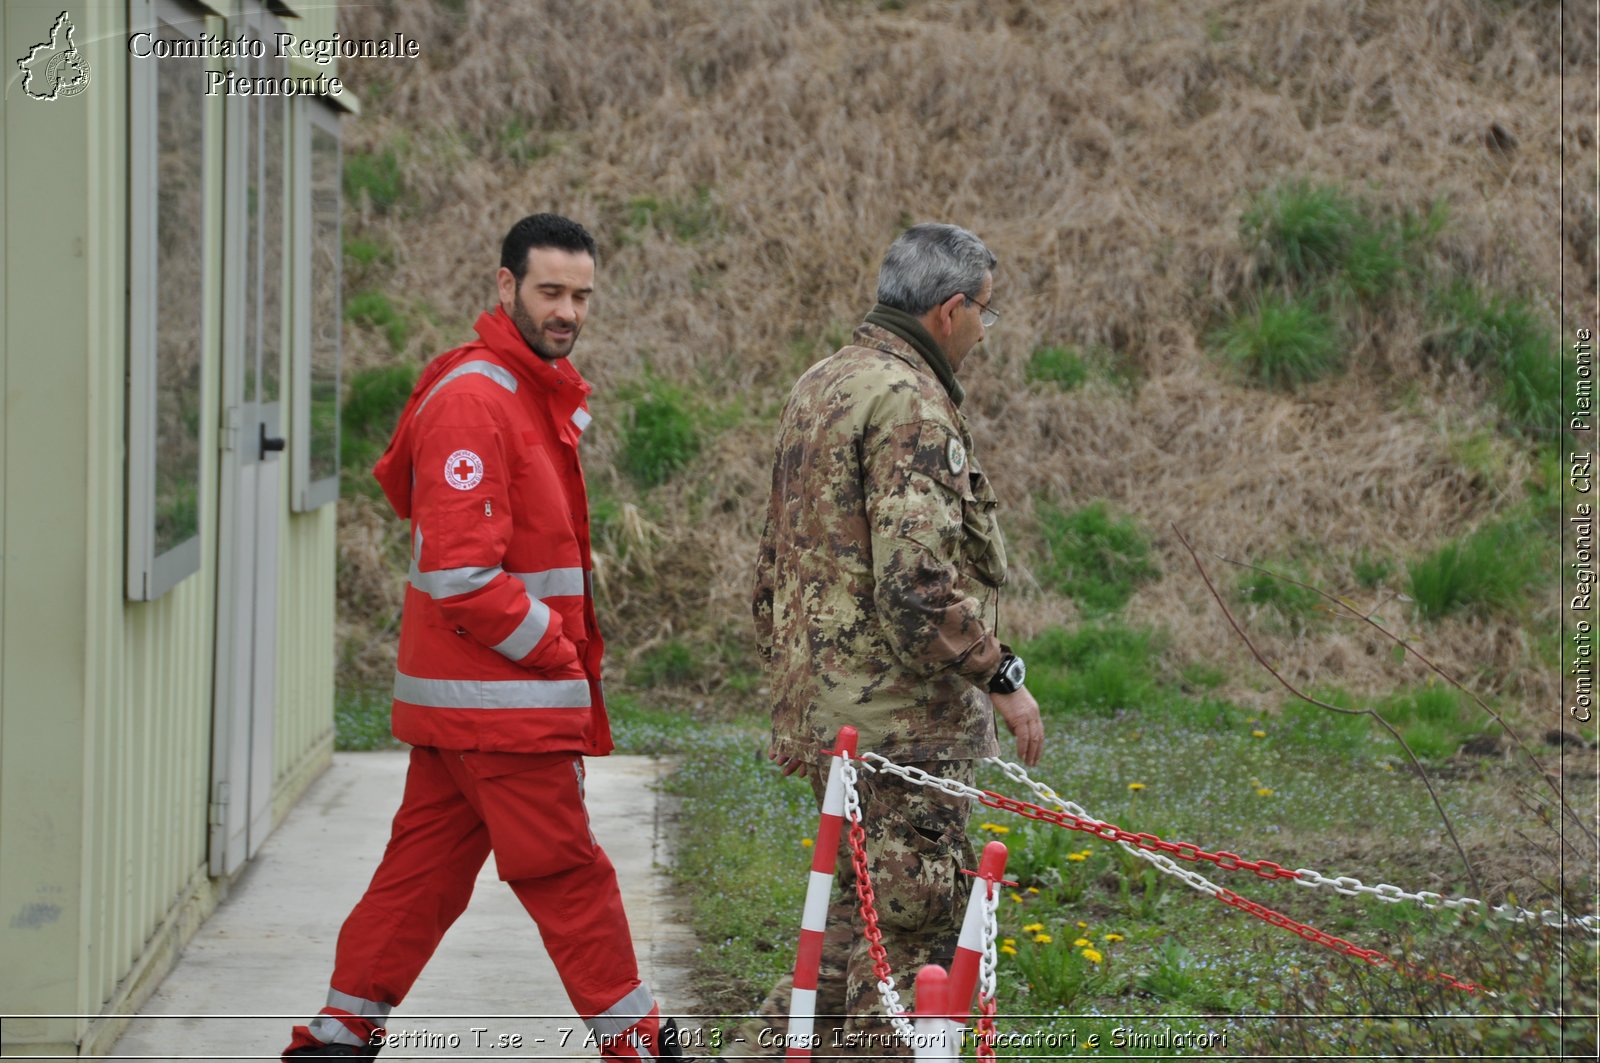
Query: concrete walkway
column 267, row 952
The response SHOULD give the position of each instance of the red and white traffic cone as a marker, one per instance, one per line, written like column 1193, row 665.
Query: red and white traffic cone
column 938, row 1036
column 814, row 917
column 969, row 949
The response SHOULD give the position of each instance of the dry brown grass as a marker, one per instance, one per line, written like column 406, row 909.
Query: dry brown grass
column 1106, row 150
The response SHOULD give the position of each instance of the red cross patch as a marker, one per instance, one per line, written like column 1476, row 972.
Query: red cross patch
column 463, row 470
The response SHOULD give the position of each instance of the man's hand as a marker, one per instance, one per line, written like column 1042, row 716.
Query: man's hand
column 792, row 766
column 1021, row 714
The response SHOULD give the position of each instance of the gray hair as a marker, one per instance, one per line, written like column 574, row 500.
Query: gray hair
column 929, row 263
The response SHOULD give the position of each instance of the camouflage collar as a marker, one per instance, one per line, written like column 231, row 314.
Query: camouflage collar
column 909, row 329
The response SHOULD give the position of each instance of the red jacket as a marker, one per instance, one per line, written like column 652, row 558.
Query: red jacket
column 499, row 649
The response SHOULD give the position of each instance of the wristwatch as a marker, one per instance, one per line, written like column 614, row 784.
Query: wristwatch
column 1010, row 676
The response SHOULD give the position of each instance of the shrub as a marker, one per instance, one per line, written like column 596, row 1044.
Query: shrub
column 662, row 434
column 1094, row 557
column 1283, row 343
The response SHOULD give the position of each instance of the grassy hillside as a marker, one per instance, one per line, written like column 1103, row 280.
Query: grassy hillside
column 1260, row 266
column 1286, row 277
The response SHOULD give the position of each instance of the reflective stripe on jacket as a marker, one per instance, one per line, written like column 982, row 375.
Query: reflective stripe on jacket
column 499, row 649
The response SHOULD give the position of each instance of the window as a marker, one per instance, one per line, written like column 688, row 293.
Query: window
column 168, row 286
column 316, row 364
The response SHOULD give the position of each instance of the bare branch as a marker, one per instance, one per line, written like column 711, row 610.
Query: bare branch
column 1416, row 765
column 1440, row 672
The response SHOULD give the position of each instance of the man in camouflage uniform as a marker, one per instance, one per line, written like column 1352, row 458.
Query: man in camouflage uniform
column 876, row 593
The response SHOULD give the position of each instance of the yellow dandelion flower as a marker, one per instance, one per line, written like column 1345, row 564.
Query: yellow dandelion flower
column 1042, row 939
column 995, row 828
column 1136, row 786
column 1258, row 734
column 1113, row 937
column 1033, row 928
column 1077, row 858
column 1092, row 955
column 1033, row 889
column 1009, row 950
column 1081, row 943
column 807, row 842
column 1008, row 941
column 1016, row 896
column 1082, row 925
column 1263, row 791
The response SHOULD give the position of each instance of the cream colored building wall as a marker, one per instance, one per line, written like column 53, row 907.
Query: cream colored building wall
column 106, row 704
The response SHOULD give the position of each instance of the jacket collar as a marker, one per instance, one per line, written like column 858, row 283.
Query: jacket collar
column 910, row 331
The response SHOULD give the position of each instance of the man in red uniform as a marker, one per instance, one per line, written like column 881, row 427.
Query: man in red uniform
column 497, row 686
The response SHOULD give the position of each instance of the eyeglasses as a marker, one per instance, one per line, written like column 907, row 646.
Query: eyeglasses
column 986, row 316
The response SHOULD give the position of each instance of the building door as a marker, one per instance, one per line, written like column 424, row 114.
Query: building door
column 252, row 494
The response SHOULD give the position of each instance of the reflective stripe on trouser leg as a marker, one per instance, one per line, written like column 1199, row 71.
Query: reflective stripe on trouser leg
column 330, row 1029
column 630, row 1028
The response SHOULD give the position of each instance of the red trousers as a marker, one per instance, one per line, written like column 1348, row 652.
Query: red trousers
column 527, row 808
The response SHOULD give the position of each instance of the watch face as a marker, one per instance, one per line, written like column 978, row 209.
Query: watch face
column 1018, row 671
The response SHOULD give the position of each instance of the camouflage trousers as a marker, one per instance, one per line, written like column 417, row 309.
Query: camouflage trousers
column 916, row 845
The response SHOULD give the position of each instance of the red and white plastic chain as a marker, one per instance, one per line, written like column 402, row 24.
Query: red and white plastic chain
column 986, row 973
column 1311, row 878
column 1185, row 850
column 869, row 912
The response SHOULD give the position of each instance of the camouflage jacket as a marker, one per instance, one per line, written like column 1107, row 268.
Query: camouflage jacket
column 880, row 563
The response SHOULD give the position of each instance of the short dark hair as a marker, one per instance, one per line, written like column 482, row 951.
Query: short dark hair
column 543, row 230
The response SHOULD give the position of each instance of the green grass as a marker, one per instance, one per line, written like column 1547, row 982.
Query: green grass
column 1493, row 567
column 1295, row 606
column 1093, row 557
column 375, row 176
column 1508, row 338
column 1283, row 343
column 364, row 253
column 374, row 309
column 1066, row 368
column 371, row 408
column 1317, row 237
column 361, row 719
column 662, row 434
column 1062, row 367
column 673, row 663
column 1097, row 669
column 1159, row 949
column 687, row 220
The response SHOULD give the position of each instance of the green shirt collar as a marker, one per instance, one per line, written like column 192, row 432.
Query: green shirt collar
column 910, row 329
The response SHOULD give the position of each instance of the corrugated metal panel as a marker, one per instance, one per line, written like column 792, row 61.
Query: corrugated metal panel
column 150, row 663
column 306, row 642
column 106, row 704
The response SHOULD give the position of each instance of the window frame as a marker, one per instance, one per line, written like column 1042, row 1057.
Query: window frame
column 151, row 571
column 307, row 492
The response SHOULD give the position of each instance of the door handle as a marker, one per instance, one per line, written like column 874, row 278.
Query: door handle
column 269, row 443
